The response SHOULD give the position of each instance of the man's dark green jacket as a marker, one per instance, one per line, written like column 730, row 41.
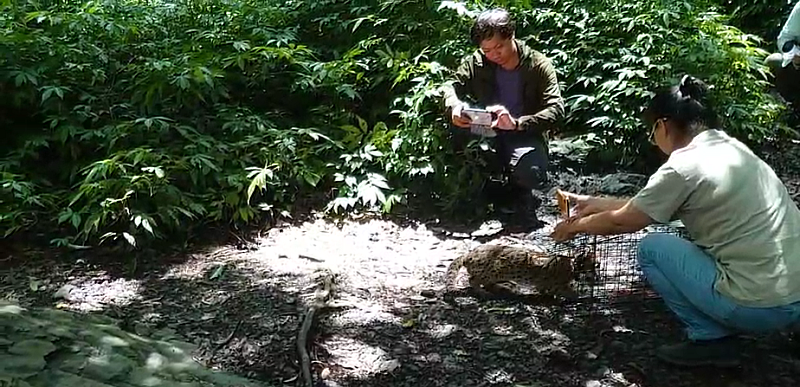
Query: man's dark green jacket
column 543, row 104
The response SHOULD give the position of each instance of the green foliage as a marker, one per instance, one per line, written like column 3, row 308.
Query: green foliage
column 151, row 114
column 764, row 18
column 135, row 120
column 611, row 59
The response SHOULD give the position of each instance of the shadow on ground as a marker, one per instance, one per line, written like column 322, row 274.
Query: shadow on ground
column 242, row 307
column 509, row 344
column 242, row 318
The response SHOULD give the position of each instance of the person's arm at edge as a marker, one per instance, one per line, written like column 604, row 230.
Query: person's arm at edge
column 658, row 202
column 610, row 203
column 459, row 85
column 554, row 108
column 791, row 28
column 625, row 219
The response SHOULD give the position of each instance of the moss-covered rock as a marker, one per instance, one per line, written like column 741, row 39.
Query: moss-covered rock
column 45, row 347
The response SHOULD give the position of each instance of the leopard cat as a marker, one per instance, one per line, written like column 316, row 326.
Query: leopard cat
column 494, row 266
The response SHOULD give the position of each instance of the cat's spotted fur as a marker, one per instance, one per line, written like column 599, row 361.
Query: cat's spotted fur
column 493, row 266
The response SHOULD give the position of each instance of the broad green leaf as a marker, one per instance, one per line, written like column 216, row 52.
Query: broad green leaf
column 65, row 215
column 46, row 94
column 217, row 273
column 147, row 226
column 128, row 237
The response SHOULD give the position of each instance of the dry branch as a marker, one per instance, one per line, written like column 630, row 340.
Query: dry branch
column 317, row 306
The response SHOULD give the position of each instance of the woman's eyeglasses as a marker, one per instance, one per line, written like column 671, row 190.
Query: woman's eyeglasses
column 788, row 46
column 652, row 137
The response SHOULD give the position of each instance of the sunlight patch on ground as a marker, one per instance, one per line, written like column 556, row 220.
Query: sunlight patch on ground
column 284, row 260
column 97, row 293
column 377, row 255
column 371, row 261
column 551, row 335
column 387, row 278
column 498, row 376
column 610, row 378
column 363, row 312
column 503, row 330
column 440, row 331
column 606, row 310
column 361, row 360
column 189, row 270
column 200, row 265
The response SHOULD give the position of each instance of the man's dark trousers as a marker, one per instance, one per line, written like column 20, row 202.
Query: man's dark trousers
column 787, row 80
column 524, row 156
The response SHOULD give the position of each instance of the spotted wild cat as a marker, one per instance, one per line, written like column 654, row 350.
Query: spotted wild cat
column 492, row 266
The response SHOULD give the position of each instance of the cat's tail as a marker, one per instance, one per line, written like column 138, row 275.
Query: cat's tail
column 452, row 272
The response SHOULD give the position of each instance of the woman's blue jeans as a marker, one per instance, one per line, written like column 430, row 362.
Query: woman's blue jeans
column 683, row 274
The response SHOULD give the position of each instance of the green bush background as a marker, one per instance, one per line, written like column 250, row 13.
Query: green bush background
column 133, row 121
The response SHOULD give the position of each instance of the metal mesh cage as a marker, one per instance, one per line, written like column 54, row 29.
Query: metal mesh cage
column 613, row 273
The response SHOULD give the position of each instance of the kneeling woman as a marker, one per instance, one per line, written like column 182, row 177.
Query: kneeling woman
column 742, row 273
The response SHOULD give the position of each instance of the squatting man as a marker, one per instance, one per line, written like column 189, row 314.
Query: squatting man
column 785, row 65
column 518, row 85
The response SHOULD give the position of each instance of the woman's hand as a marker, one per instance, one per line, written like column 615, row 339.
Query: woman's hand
column 564, row 230
column 585, row 205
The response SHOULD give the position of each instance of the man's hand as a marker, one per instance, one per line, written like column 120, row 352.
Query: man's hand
column 458, row 119
column 504, row 120
column 564, row 231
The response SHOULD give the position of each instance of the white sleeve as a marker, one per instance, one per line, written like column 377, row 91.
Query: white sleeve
column 791, row 29
column 663, row 196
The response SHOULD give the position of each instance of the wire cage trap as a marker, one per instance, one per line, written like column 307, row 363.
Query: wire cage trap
column 606, row 266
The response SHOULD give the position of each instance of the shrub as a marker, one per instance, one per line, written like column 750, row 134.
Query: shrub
column 764, row 18
column 137, row 120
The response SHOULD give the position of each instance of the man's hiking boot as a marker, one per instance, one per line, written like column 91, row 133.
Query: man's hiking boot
column 719, row 353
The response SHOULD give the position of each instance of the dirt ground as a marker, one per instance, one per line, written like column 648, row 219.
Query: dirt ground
column 387, row 324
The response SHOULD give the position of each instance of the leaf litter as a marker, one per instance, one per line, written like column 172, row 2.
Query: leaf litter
column 388, row 324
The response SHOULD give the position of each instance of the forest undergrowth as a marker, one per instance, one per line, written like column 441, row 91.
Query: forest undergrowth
column 135, row 123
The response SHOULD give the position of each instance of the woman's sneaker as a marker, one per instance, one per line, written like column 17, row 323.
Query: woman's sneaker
column 719, row 353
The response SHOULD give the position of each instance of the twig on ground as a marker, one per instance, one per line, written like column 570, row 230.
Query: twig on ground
column 220, row 344
column 224, row 252
column 235, row 235
column 785, row 360
column 638, row 369
column 312, row 259
column 135, row 265
column 320, row 303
